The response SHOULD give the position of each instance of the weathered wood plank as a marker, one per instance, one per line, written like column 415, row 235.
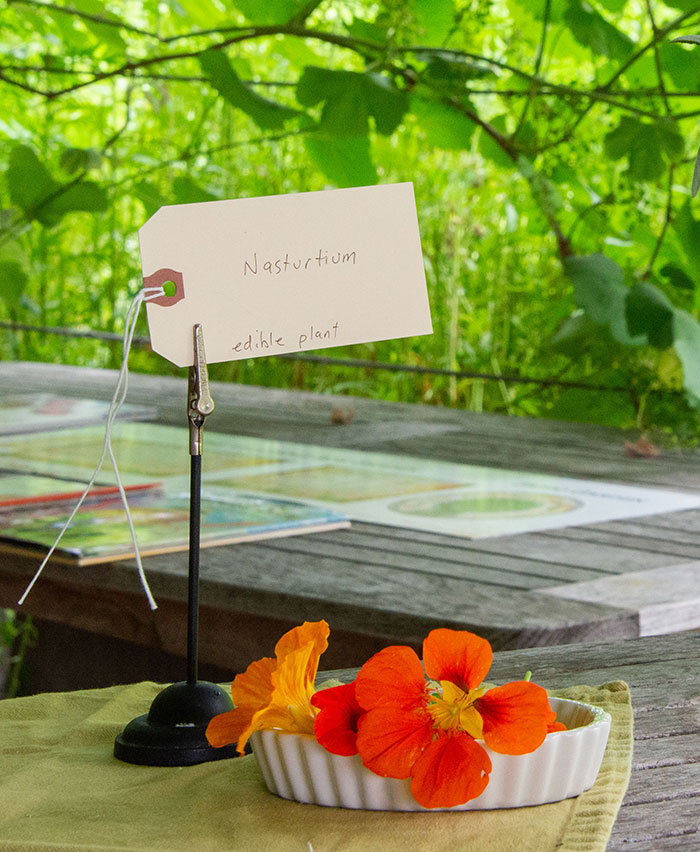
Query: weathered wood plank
column 450, row 548
column 521, row 454
column 666, row 783
column 666, row 599
column 446, row 561
column 670, row 826
column 603, row 558
column 653, row 529
column 264, row 579
column 652, row 724
column 667, row 750
column 626, row 537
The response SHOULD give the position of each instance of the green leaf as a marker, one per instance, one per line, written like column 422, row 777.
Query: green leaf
column 80, row 159
column 576, row 334
column 686, row 332
column 613, row 5
column 599, row 407
column 271, row 11
column 590, row 29
column 489, row 148
column 84, row 196
column 449, row 71
column 349, row 98
column 13, row 280
column 688, row 39
column 687, row 229
column 444, row 126
column 434, row 19
column 203, row 13
column 620, row 141
column 367, row 30
column 696, row 176
column 268, row 115
column 150, row 197
column 186, row 191
column 677, row 277
column 645, row 161
column 345, row 111
column 647, row 146
column 28, row 180
column 385, row 102
column 682, row 66
column 103, row 32
column 669, row 138
column 41, row 197
column 649, row 313
column 345, row 162
column 536, row 8
column 600, row 290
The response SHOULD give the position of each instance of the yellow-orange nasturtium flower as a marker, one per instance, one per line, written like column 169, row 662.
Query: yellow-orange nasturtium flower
column 275, row 693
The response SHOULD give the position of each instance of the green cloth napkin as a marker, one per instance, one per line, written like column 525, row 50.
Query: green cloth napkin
column 61, row 789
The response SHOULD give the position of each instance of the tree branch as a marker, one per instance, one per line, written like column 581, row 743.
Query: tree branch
column 657, row 58
column 86, row 16
column 668, row 216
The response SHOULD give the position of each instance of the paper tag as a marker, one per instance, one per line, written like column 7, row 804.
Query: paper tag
column 286, row 273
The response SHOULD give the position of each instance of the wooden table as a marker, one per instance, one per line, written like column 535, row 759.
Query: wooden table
column 661, row 811
column 375, row 583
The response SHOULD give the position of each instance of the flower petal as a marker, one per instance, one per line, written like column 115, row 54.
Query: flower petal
column 253, row 687
column 516, row 717
column 392, row 676
column 227, row 728
column 390, row 740
column 315, row 632
column 457, row 655
column 251, row 690
column 290, row 707
column 451, row 771
column 336, row 724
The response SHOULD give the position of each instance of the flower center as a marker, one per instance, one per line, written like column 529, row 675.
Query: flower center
column 454, row 710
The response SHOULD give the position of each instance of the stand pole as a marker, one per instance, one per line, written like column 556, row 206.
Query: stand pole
column 173, row 733
column 193, row 577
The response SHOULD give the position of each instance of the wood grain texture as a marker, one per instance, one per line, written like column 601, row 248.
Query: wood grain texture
column 377, row 581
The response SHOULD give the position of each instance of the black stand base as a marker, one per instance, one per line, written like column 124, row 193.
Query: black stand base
column 172, row 733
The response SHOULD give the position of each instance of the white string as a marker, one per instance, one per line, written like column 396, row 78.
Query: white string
column 144, row 295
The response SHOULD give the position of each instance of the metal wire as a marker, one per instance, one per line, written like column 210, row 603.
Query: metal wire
column 360, row 363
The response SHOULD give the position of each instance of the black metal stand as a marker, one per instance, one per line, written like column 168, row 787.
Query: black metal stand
column 173, row 732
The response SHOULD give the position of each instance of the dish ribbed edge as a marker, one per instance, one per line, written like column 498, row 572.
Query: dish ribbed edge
column 296, row 767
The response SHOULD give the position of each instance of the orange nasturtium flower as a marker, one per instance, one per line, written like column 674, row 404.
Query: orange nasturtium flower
column 407, row 727
column 274, row 693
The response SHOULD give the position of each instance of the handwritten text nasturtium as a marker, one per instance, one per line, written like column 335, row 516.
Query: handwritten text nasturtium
column 297, row 263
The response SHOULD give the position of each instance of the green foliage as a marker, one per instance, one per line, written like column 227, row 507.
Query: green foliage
column 592, row 30
column 40, row 197
column 17, row 635
column 267, row 114
column 648, row 146
column 349, row 99
column 550, row 144
column 600, row 290
column 345, row 162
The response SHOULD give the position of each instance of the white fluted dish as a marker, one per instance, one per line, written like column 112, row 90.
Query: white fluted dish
column 296, row 767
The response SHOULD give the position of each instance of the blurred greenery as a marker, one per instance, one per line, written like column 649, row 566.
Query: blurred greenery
column 550, row 142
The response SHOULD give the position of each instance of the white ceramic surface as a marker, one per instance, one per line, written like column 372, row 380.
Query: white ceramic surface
column 296, row 767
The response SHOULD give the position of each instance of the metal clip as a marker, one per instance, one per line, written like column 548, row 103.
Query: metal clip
column 199, row 401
